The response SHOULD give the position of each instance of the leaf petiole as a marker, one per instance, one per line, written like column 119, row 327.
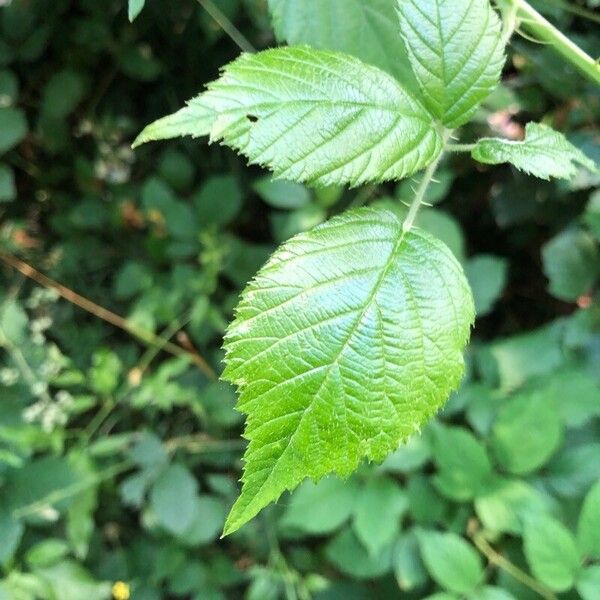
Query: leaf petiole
column 424, row 184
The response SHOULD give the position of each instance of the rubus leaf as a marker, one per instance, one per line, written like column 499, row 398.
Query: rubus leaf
column 311, row 116
column 195, row 119
column 543, row 153
column 456, row 51
column 367, row 30
column 344, row 344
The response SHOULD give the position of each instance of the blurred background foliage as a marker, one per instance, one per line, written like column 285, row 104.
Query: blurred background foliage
column 120, row 452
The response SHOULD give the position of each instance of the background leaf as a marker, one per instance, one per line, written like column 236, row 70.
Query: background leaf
column 551, row 553
column 453, row 563
column 367, row 30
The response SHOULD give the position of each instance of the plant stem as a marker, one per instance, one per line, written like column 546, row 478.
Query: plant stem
column 227, row 26
column 106, row 315
column 497, row 559
column 545, row 32
column 460, row 147
column 424, row 185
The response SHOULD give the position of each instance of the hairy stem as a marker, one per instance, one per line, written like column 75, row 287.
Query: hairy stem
column 544, row 31
column 460, row 147
column 424, row 185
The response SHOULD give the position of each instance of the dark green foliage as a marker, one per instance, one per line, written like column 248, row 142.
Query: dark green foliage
column 119, row 461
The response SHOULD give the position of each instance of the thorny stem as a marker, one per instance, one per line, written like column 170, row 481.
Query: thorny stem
column 545, row 32
column 424, row 185
column 500, row 561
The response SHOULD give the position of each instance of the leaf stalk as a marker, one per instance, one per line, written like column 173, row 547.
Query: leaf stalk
column 424, row 185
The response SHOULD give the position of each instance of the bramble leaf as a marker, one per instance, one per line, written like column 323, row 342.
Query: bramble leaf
column 456, row 51
column 344, row 344
column 367, row 30
column 195, row 119
column 311, row 116
column 543, row 153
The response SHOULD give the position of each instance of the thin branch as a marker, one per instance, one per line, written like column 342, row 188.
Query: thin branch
column 503, row 563
column 106, row 315
column 227, row 26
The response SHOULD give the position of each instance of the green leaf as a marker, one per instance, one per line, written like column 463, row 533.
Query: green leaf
column 174, row 500
column 426, row 507
column 329, row 503
column 576, row 468
column 344, row 344
column 63, row 92
column 571, row 263
column 13, row 128
column 11, row 532
column 506, row 504
column 286, row 195
column 8, row 190
column 354, row 125
column 218, row 201
column 456, row 51
column 527, row 432
column 451, row 561
column 462, row 461
column 367, row 30
column 578, row 395
column 543, row 153
column 47, row 553
column 588, row 583
column 207, row 523
column 68, row 580
column 487, row 276
column 588, row 527
column 408, row 566
column 489, row 592
column 134, row 8
column 377, row 513
column 350, row 557
column 551, row 553
column 195, row 120
column 512, row 362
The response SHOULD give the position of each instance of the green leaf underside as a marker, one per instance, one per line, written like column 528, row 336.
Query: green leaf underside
column 367, row 30
column 344, row 344
column 543, row 153
column 456, row 51
column 312, row 116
